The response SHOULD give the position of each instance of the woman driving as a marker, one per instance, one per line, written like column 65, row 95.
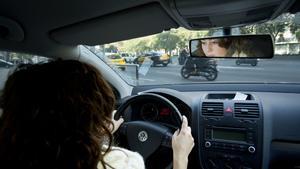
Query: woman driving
column 59, row 115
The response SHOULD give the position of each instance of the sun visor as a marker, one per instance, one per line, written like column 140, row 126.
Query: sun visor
column 195, row 14
column 127, row 24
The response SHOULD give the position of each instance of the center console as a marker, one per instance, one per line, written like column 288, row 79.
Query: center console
column 230, row 132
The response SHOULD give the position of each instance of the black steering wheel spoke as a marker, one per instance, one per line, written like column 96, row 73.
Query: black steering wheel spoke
column 123, row 128
column 167, row 140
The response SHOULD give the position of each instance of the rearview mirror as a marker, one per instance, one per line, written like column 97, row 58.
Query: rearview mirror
column 242, row 46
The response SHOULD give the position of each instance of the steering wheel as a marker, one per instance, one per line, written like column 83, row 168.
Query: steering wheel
column 143, row 136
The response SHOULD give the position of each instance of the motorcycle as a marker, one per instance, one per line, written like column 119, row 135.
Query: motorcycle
column 200, row 67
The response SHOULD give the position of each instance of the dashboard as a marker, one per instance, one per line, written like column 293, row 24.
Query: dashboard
column 155, row 111
column 259, row 131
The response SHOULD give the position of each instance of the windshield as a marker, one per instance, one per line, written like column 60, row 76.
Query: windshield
column 164, row 58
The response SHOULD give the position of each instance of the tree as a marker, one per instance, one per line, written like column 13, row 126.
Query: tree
column 167, row 41
column 142, row 46
column 186, row 35
column 298, row 35
column 273, row 27
column 251, row 29
column 112, row 49
column 294, row 28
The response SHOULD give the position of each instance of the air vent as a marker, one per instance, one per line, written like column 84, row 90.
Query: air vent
column 212, row 109
column 246, row 110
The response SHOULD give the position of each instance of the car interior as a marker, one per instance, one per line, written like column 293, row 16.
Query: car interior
column 236, row 125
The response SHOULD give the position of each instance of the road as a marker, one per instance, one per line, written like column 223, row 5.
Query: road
column 265, row 71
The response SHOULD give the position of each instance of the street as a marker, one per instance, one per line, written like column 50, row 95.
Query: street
column 266, row 71
column 280, row 70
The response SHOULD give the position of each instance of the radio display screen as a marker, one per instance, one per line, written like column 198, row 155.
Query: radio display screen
column 233, row 135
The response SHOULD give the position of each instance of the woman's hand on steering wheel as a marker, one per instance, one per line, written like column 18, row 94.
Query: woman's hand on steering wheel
column 182, row 144
column 116, row 123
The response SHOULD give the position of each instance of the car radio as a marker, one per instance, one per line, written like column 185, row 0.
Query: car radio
column 230, row 134
column 236, row 139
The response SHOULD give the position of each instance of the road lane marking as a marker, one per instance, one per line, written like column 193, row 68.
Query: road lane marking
column 232, row 67
column 218, row 67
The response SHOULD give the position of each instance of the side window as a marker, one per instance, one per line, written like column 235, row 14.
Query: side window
column 9, row 60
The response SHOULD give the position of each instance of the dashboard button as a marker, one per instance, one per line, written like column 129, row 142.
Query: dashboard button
column 251, row 149
column 207, row 144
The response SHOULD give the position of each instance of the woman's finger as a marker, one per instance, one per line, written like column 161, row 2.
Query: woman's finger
column 184, row 122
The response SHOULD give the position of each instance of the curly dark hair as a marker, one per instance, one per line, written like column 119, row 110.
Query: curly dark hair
column 222, row 42
column 55, row 115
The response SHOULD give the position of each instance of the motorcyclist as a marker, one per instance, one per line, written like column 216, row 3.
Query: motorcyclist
column 197, row 66
column 193, row 63
column 182, row 57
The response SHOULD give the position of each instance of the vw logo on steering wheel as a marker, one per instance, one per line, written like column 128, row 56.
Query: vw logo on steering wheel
column 142, row 136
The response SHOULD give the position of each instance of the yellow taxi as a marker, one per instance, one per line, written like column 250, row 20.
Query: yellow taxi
column 116, row 59
column 156, row 57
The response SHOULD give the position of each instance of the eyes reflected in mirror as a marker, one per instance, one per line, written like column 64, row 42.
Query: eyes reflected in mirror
column 254, row 46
